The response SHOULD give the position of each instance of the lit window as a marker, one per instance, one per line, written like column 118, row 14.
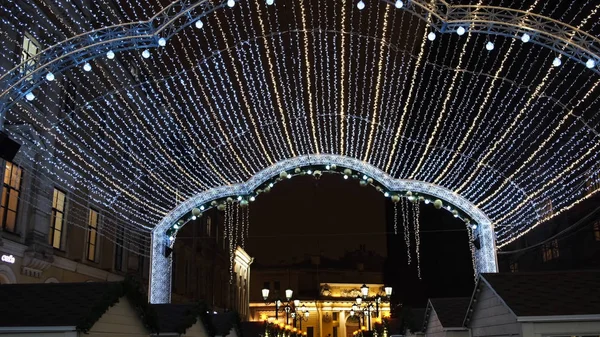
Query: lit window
column 550, row 250
column 597, row 230
column 514, row 267
column 10, row 197
column 58, row 219
column 29, row 54
column 92, row 235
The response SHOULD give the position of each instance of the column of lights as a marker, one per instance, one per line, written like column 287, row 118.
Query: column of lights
column 552, row 68
column 299, row 105
column 444, row 104
column 380, row 133
column 332, row 93
column 506, row 56
column 526, row 140
column 285, row 92
column 399, row 100
column 435, row 167
column 419, row 139
column 372, row 124
column 351, row 105
column 274, row 82
column 399, row 129
column 252, row 92
column 298, row 81
column 532, row 156
column 463, row 142
column 362, row 133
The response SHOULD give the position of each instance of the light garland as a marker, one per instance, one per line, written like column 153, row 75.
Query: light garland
column 255, row 85
column 417, row 226
column 406, row 224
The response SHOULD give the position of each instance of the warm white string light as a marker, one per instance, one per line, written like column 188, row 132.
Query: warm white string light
column 220, row 100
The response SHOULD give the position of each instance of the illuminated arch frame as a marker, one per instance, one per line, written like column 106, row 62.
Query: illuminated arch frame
column 161, row 266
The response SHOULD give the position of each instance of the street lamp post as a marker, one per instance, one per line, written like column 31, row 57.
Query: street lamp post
column 286, row 307
column 366, row 303
column 300, row 313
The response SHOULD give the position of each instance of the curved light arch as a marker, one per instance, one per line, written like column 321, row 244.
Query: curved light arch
column 161, row 266
column 442, row 16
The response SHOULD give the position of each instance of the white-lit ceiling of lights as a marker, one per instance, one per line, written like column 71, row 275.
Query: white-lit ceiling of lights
column 493, row 118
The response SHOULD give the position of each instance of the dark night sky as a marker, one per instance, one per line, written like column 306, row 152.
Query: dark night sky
column 306, row 216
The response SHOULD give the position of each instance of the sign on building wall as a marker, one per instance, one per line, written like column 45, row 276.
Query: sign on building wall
column 8, row 259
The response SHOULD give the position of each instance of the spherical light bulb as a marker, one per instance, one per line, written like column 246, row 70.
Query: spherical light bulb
column 328, row 167
column 345, row 176
column 252, row 198
column 489, row 45
column 474, row 226
column 87, row 66
column 386, row 194
column 199, row 24
column 590, row 63
column 146, row 54
column 239, row 198
column 194, row 217
column 201, row 208
column 399, row 4
column 162, row 42
column 557, row 62
column 30, row 96
column 525, row 38
column 110, row 54
column 431, row 36
column 461, row 30
column 270, row 2
column 50, row 76
column 230, row 3
column 360, row 5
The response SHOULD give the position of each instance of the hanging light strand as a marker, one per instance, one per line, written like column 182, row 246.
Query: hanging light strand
column 416, row 210
column 406, row 224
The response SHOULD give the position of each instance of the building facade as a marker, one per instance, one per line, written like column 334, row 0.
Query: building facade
column 327, row 290
column 50, row 235
column 571, row 240
column 203, row 270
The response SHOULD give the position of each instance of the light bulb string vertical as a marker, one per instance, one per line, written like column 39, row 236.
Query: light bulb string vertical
column 395, row 218
column 417, row 226
column 405, row 223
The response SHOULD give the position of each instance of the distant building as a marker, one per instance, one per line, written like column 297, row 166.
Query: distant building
column 326, row 287
column 570, row 240
column 201, row 267
column 559, row 303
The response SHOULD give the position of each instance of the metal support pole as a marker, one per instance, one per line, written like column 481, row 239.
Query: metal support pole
column 369, row 310
column 276, row 309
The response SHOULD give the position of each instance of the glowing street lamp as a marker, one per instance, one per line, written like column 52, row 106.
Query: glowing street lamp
column 369, row 303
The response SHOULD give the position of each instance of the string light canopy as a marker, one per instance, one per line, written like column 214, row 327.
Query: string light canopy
column 150, row 104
